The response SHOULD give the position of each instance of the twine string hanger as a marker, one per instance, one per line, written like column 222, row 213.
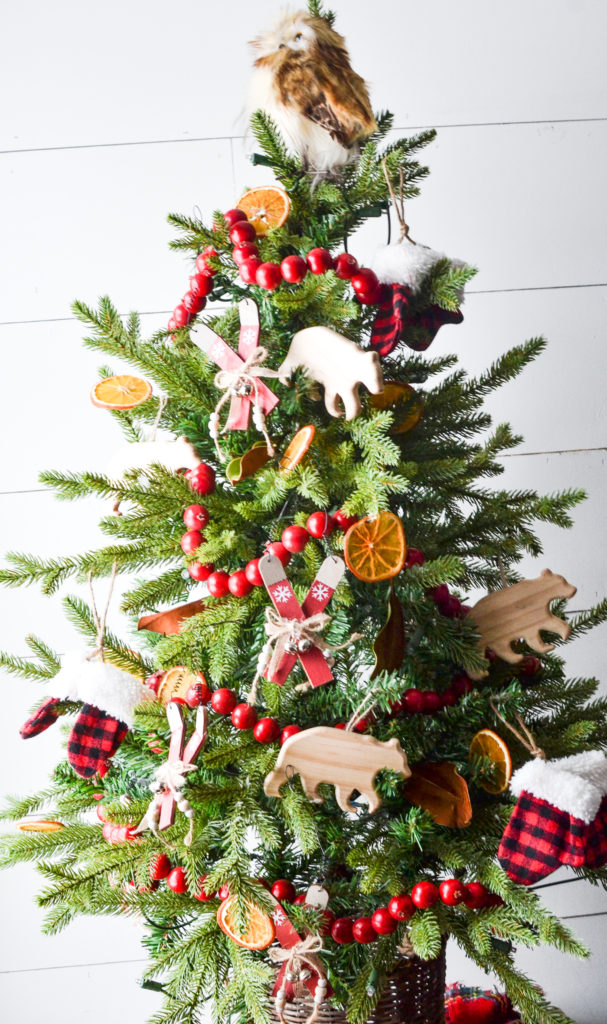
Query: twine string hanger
column 100, row 620
column 161, row 407
column 242, row 382
column 398, row 202
column 525, row 737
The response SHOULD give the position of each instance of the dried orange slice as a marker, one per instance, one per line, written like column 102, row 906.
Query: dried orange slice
column 375, row 547
column 267, row 206
column 37, row 825
column 404, row 401
column 487, row 743
column 122, row 392
column 297, row 448
column 260, row 931
column 176, row 683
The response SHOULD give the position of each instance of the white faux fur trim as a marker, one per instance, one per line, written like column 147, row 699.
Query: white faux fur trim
column 575, row 784
column 100, row 684
column 408, row 264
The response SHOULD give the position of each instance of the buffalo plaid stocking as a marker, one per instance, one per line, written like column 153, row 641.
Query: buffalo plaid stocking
column 560, row 817
column 94, row 739
column 45, row 716
column 396, row 323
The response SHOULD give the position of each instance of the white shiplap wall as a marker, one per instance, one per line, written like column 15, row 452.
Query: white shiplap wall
column 115, row 114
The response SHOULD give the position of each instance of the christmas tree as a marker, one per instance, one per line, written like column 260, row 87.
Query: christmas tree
column 303, row 775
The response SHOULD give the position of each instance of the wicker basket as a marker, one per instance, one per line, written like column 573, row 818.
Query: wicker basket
column 413, row 994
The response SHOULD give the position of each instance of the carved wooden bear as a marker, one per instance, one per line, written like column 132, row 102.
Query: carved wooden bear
column 347, row 760
column 519, row 612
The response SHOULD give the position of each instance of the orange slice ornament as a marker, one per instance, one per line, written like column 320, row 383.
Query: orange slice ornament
column 176, row 682
column 39, row 825
column 403, row 401
column 297, row 448
column 260, row 931
column 487, row 743
column 266, row 207
column 122, row 392
column 375, row 548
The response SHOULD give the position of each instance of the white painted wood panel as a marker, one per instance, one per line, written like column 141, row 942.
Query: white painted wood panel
column 79, row 75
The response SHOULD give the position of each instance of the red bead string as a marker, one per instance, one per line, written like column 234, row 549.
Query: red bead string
column 269, row 276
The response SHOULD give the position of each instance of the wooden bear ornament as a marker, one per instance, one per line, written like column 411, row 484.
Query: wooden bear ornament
column 347, row 760
column 519, row 612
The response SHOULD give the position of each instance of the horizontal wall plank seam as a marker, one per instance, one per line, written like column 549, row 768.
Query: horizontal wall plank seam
column 472, row 291
column 72, row 967
column 229, row 138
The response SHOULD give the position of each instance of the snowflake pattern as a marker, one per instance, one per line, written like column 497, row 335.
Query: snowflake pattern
column 217, row 351
column 282, row 593
column 320, row 591
column 249, row 336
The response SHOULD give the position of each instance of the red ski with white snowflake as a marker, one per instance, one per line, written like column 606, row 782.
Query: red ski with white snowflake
column 313, row 660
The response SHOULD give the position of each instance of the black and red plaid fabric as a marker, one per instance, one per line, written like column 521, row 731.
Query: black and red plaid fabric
column 45, row 716
column 539, row 838
column 94, row 739
column 395, row 322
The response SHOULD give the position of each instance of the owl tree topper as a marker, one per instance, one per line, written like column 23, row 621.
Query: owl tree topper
column 303, row 80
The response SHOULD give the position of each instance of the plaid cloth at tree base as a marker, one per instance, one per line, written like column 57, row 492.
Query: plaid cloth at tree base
column 396, row 323
column 45, row 716
column 94, row 739
column 465, row 1005
column 539, row 838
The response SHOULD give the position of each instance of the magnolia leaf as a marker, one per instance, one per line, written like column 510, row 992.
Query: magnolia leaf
column 169, row 622
column 390, row 643
column 246, row 465
column 438, row 788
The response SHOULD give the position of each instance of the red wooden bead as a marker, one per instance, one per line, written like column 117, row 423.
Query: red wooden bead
column 287, row 732
column 154, row 681
column 202, row 264
column 461, row 685
column 345, row 266
column 401, row 907
column 194, row 303
column 198, row 693
column 413, row 700
column 300, row 900
column 200, row 572
column 171, row 325
column 341, row 931
column 424, row 895
column 223, row 892
column 248, row 269
column 251, row 571
column 244, row 251
column 449, row 698
column 202, row 479
column 319, row 261
column 238, row 584
column 452, row 892
column 176, row 880
column 268, row 276
column 218, row 583
column 201, row 284
column 530, row 666
column 363, row 930
column 414, row 557
column 362, row 724
column 293, row 269
column 242, row 232
column 342, row 521
column 244, row 716
column 451, row 609
column 475, row 895
column 202, row 895
column 267, row 730
column 196, row 517
column 190, row 541
column 295, row 538
column 283, row 890
column 279, row 551
column 181, row 315
column 493, row 900
column 365, row 281
column 233, row 216
column 160, row 867
column 383, row 922
column 223, row 701
column 432, row 702
column 440, row 595
column 320, row 524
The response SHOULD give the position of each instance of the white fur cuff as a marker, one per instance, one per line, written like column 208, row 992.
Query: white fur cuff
column 98, row 683
column 574, row 784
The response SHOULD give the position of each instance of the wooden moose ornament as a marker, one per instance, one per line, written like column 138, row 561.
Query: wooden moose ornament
column 347, row 760
column 519, row 612
column 338, row 364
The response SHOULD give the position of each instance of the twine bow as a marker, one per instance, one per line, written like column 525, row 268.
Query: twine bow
column 168, row 777
column 293, row 960
column 300, row 634
column 242, row 382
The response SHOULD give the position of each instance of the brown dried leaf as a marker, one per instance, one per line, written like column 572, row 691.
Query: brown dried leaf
column 438, row 788
column 390, row 643
column 170, row 621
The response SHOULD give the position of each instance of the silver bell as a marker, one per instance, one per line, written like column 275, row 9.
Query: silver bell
column 304, row 645
column 291, row 647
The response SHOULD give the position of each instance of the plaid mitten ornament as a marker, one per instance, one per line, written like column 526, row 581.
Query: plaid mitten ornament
column 108, row 697
column 466, row 1005
column 403, row 268
column 560, row 817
